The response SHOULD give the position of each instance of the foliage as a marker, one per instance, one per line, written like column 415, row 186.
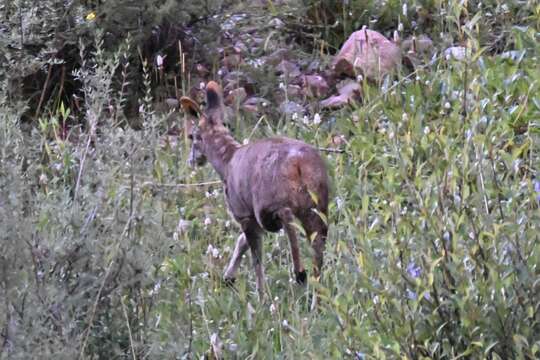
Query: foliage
column 441, row 20
column 110, row 246
column 43, row 42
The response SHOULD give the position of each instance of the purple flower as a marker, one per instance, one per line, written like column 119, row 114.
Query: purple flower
column 414, row 270
column 537, row 189
column 411, row 295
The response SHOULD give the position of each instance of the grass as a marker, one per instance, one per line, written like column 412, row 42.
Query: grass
column 432, row 250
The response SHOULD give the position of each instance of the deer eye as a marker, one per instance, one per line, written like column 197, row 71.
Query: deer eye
column 190, row 137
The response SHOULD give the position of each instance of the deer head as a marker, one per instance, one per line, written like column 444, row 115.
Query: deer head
column 202, row 123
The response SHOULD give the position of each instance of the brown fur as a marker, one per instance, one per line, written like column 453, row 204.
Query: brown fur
column 268, row 183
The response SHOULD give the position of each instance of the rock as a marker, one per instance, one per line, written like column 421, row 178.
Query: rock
column 369, row 53
column 514, row 55
column 315, row 85
column 232, row 61
column 422, row 45
column 348, row 90
column 347, row 87
column 240, row 47
column 338, row 140
column 236, row 79
column 290, row 107
column 254, row 104
column 202, row 70
column 288, row 69
column 294, row 91
column 236, row 96
column 276, row 57
column 172, row 103
column 276, row 23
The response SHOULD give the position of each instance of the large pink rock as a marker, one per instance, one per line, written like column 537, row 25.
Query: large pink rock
column 368, row 53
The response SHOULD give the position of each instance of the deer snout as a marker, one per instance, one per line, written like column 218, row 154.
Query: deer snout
column 196, row 158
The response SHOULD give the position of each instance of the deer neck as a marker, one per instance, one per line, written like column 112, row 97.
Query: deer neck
column 220, row 147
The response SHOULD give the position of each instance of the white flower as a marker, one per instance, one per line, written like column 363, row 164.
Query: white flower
column 281, row 85
column 202, row 85
column 295, row 116
column 447, row 105
column 404, row 117
column 273, row 309
column 212, row 251
column 227, row 224
column 43, row 179
column 207, row 221
column 400, row 27
column 182, row 225
column 305, row 120
column 339, row 203
column 317, row 119
column 359, row 78
column 264, row 104
column 220, row 72
column 404, row 9
column 426, row 130
column 245, row 141
column 159, row 60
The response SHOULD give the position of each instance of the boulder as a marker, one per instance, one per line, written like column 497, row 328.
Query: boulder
column 369, row 53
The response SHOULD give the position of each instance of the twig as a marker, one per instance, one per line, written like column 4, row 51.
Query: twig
column 332, row 150
column 207, row 183
column 255, row 127
column 45, row 86
column 102, row 286
column 128, row 327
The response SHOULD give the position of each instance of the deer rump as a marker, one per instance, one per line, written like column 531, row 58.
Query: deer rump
column 272, row 174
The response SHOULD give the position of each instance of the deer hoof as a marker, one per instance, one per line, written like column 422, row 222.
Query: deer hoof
column 301, row 277
column 229, row 281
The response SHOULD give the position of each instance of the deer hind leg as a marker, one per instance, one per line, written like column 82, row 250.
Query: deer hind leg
column 317, row 228
column 239, row 250
column 286, row 217
column 255, row 245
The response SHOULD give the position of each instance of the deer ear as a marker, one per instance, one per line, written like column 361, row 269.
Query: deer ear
column 213, row 95
column 190, row 106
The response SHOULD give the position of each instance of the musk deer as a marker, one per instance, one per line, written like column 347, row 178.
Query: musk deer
column 267, row 183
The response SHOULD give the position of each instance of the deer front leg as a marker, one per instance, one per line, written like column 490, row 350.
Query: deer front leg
column 239, row 249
